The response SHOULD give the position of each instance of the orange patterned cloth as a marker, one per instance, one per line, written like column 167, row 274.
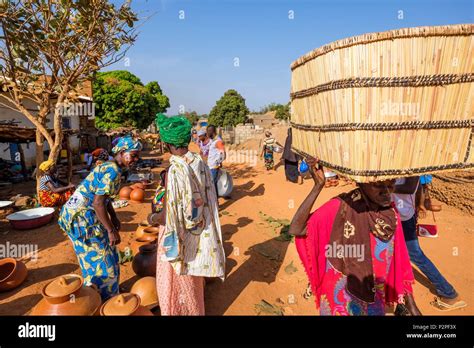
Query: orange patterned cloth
column 52, row 199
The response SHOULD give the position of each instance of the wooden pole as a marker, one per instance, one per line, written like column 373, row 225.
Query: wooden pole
column 69, row 159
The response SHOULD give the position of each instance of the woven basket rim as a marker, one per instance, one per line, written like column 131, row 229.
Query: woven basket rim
column 423, row 31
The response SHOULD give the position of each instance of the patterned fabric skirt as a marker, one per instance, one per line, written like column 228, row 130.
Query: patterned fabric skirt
column 177, row 294
column 52, row 199
column 98, row 260
column 268, row 157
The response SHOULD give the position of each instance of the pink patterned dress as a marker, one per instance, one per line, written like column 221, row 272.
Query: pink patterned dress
column 177, row 294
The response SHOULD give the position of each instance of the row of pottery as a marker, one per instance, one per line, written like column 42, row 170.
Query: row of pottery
column 67, row 295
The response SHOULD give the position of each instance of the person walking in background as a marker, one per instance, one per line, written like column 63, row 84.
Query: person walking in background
column 216, row 154
column 374, row 269
column 89, row 219
column 52, row 192
column 190, row 243
column 291, row 160
column 404, row 199
column 194, row 136
column 268, row 150
column 204, row 143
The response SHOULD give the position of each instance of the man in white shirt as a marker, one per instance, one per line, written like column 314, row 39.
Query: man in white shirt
column 404, row 199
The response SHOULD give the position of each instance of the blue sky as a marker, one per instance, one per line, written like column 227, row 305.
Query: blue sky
column 193, row 59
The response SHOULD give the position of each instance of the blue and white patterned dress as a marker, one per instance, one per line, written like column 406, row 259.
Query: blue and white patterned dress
column 97, row 259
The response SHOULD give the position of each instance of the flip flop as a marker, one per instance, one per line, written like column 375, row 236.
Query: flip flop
column 446, row 307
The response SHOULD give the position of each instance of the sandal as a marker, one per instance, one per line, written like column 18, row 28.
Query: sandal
column 445, row 307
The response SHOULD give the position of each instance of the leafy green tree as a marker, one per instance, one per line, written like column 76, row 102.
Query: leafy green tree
column 123, row 101
column 229, row 110
column 282, row 112
column 48, row 49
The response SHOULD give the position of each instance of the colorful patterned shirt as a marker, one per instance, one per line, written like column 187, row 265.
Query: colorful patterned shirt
column 193, row 239
column 103, row 180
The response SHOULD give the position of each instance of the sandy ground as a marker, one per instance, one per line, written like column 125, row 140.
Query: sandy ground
column 259, row 266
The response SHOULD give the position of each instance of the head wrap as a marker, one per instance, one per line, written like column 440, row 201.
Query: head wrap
column 201, row 132
column 100, row 154
column 127, row 144
column 46, row 165
column 174, row 130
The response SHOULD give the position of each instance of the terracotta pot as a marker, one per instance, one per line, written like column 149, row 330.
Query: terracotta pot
column 137, row 243
column 127, row 304
column 67, row 295
column 144, row 263
column 124, row 192
column 12, row 273
column 137, row 195
column 146, row 289
column 146, row 231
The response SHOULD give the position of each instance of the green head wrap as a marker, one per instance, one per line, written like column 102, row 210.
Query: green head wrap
column 175, row 130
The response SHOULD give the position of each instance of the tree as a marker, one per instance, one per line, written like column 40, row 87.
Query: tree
column 122, row 100
column 192, row 116
column 282, row 112
column 229, row 110
column 49, row 48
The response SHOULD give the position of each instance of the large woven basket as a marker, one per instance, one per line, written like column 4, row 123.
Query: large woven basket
column 386, row 105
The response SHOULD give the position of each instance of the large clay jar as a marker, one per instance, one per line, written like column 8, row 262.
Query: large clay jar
column 124, row 304
column 12, row 273
column 137, row 195
column 124, row 192
column 137, row 243
column 67, row 295
column 146, row 289
column 146, row 231
column 144, row 263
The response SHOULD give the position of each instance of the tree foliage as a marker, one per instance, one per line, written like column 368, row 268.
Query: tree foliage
column 122, row 100
column 282, row 111
column 229, row 110
column 192, row 116
column 49, row 48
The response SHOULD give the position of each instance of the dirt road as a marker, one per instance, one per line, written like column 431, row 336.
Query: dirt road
column 260, row 266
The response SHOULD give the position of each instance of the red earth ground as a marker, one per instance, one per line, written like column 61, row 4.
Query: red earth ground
column 259, row 266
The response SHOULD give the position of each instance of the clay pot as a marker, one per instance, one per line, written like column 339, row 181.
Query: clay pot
column 146, row 231
column 124, row 192
column 144, row 263
column 67, row 295
column 144, row 240
column 146, row 289
column 12, row 273
column 124, row 304
column 137, row 195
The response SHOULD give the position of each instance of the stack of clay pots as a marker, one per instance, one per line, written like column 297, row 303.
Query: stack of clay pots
column 67, row 295
column 12, row 274
column 127, row 304
column 144, row 249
